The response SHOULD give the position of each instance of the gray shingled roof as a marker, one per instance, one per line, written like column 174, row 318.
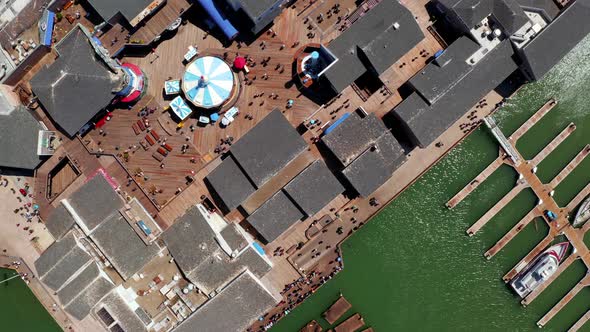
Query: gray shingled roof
column 95, row 200
column 80, row 307
column 268, row 147
column 232, row 310
column 78, row 284
column 375, row 38
column 122, row 246
column 353, row 136
column 190, row 241
column 76, row 86
column 426, row 123
column 314, row 188
column 557, row 39
column 471, row 12
column 73, row 261
column 218, row 269
column 442, row 74
column 59, row 222
column 229, row 184
column 52, row 255
column 548, row 8
column 233, row 237
column 192, row 244
column 275, row 216
column 128, row 8
column 121, row 312
column 255, row 8
column 19, row 133
column 375, row 166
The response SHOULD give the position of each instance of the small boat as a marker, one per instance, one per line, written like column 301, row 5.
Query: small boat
column 539, row 270
column 583, row 213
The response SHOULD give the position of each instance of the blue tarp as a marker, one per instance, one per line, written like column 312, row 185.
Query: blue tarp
column 335, row 124
column 48, row 33
column 228, row 29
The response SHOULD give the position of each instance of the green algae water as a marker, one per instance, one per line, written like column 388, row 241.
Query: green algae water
column 19, row 309
column 413, row 268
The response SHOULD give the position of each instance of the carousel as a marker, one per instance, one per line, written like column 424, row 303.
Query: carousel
column 207, row 84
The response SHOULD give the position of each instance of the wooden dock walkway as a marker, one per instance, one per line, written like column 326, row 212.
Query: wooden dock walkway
column 570, row 167
column 554, row 144
column 496, row 208
column 578, row 325
column 534, row 213
column 564, row 301
column 468, row 189
column 562, row 267
column 351, row 324
column 532, row 121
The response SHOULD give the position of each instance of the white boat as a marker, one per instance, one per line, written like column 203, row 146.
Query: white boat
column 539, row 270
column 583, row 213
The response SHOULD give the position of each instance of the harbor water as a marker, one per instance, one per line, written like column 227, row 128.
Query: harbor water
column 19, row 309
column 413, row 268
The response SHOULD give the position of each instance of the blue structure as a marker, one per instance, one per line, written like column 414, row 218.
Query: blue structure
column 258, row 248
column 208, row 82
column 223, row 23
column 144, row 228
column 47, row 28
column 337, row 123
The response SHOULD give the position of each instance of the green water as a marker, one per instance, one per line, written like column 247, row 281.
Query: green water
column 413, row 268
column 20, row 310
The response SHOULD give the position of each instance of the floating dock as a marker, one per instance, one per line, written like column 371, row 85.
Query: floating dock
column 560, row 226
column 337, row 310
column 352, row 324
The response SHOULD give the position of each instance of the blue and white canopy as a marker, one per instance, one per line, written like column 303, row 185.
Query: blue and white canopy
column 172, row 87
column 208, row 82
column 180, row 108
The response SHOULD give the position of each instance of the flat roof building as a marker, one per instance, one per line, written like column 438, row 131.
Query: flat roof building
column 314, row 188
column 196, row 249
column 236, row 307
column 425, row 122
column 373, row 43
column 66, row 268
column 275, row 216
column 254, row 159
column 372, row 168
column 96, row 209
column 367, row 151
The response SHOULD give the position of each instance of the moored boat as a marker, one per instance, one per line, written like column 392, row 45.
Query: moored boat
column 539, row 270
column 583, row 213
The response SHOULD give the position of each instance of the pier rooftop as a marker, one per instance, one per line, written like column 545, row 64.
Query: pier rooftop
column 254, row 197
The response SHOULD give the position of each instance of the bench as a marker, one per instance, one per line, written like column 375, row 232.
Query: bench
column 144, row 145
column 157, row 157
column 167, row 147
column 156, row 136
column 141, row 125
column 162, row 151
column 149, row 139
column 136, row 128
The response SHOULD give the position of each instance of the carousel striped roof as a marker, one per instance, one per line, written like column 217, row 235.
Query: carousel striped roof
column 180, row 108
column 208, row 82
